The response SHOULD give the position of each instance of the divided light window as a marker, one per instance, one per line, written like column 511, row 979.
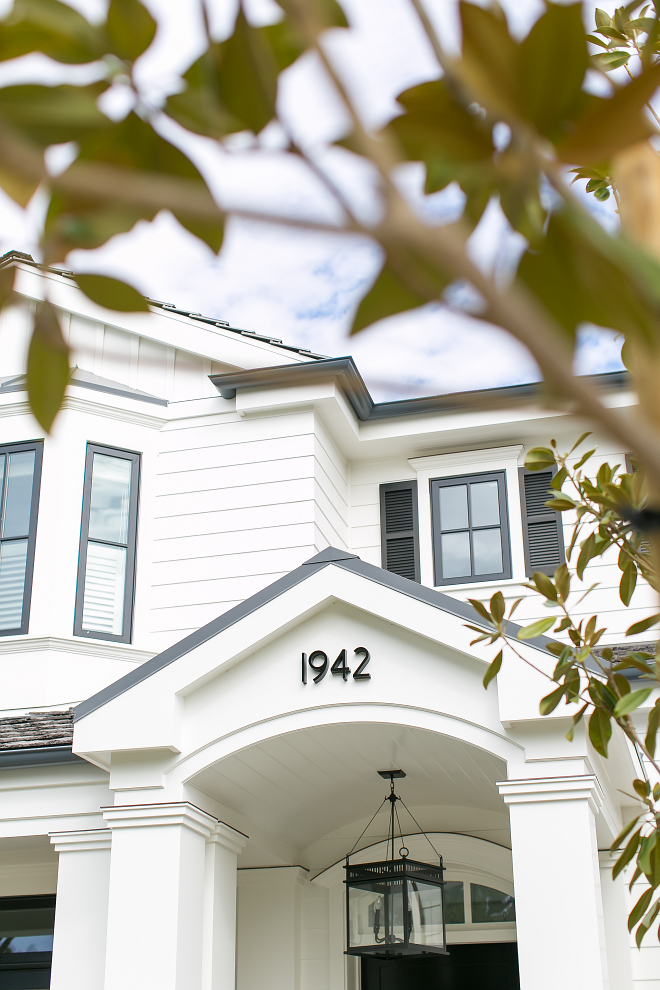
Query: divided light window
column 20, row 476
column 470, row 529
column 106, row 568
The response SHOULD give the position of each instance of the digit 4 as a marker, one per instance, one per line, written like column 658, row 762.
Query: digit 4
column 339, row 666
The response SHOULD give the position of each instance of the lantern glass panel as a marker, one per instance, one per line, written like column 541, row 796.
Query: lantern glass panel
column 425, row 914
column 375, row 912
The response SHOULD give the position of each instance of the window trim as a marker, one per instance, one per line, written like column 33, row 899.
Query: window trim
column 445, row 482
column 129, row 587
column 11, row 448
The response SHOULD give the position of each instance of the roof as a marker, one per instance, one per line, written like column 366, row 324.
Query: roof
column 36, row 729
column 18, row 257
column 348, row 379
column 339, row 558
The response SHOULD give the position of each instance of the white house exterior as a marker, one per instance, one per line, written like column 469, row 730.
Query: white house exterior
column 211, row 506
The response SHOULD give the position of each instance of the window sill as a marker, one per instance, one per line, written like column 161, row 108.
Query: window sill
column 479, row 585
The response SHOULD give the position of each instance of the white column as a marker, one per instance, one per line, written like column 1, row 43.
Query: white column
column 269, row 904
column 615, row 915
column 559, row 916
column 219, row 953
column 81, row 911
column 155, row 912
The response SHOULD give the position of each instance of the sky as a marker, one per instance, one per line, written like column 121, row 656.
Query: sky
column 304, row 286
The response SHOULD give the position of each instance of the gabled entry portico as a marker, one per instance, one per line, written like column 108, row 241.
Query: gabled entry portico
column 240, row 759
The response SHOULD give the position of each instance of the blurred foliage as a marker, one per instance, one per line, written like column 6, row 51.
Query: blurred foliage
column 507, row 120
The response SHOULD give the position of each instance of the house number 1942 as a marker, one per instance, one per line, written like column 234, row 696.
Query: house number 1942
column 318, row 663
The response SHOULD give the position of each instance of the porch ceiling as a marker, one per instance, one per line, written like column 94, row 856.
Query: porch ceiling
column 307, row 784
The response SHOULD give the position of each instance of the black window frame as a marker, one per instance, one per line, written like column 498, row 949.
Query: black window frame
column 437, row 483
column 13, row 448
column 129, row 586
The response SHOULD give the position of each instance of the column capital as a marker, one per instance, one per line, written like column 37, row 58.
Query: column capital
column 168, row 813
column 85, row 840
column 228, row 837
column 536, row 790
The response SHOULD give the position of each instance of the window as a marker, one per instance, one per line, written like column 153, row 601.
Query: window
column 491, row 906
column 104, row 602
column 470, row 529
column 20, row 476
column 399, row 530
column 26, row 941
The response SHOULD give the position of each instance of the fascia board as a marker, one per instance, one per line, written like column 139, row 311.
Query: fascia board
column 170, row 329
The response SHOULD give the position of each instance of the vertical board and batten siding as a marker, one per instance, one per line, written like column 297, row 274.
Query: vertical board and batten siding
column 240, row 503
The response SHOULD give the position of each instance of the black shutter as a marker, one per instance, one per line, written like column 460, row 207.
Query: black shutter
column 542, row 527
column 398, row 529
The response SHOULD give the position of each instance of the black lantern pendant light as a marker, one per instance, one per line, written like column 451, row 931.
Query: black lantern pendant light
column 395, row 907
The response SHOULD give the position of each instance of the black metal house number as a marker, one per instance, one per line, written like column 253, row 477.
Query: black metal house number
column 318, row 662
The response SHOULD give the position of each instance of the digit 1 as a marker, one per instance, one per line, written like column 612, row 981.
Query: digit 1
column 304, row 668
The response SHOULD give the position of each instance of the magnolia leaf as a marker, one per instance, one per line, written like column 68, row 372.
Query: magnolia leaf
column 652, row 729
column 643, row 625
column 630, row 702
column 480, row 608
column 247, row 76
column 390, row 295
column 607, row 126
column 51, row 27
column 536, row 628
column 628, row 582
column 552, row 61
column 489, row 63
column 47, row 366
column 624, row 833
column 493, row 669
column 497, row 606
column 640, row 908
column 545, row 586
column 606, row 61
column 539, row 458
column 550, row 702
column 48, row 115
column 112, row 294
column 130, row 28
column 627, row 854
column 600, row 730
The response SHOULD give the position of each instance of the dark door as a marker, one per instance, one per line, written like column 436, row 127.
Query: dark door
column 467, row 967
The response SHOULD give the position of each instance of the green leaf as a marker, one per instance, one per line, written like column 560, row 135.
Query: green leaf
column 48, row 115
column 489, row 63
column 563, row 581
column 600, row 730
column 389, row 295
column 639, row 908
column 624, row 833
column 54, row 28
column 607, row 126
column 606, row 61
column 627, row 854
column 552, row 61
column 562, row 503
column 480, row 608
column 630, row 702
column 545, row 586
column 627, row 583
column 539, row 458
column 550, row 702
column 603, row 19
column 497, row 606
column 47, row 366
column 652, row 728
column 130, row 28
column 112, row 293
column 493, row 669
column 643, row 625
column 536, row 628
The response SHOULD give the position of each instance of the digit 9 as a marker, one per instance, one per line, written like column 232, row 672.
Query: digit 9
column 321, row 667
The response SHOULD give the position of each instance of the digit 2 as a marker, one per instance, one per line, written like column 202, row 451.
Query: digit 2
column 359, row 675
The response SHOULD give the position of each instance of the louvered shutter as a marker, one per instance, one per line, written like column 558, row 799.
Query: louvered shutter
column 542, row 527
column 398, row 528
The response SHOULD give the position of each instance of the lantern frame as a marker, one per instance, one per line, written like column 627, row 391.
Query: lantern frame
column 391, row 874
column 398, row 879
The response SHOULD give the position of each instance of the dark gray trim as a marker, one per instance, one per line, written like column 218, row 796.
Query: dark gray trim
column 129, row 589
column 435, row 485
column 349, row 380
column 38, row 756
column 340, row 558
column 38, row 447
